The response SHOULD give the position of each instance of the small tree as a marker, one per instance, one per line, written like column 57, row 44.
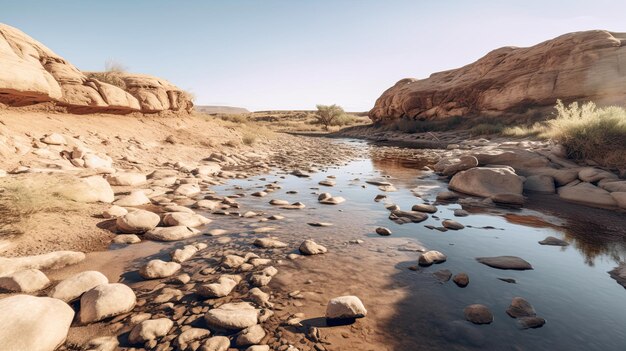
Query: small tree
column 329, row 115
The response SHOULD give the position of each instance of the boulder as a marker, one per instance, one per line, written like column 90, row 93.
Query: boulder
column 453, row 225
column 619, row 274
column 175, row 233
column 250, row 336
column 268, row 243
column 233, row 316
column 542, row 184
column 185, row 219
column 88, row 189
column 510, row 79
column 487, row 182
column 465, row 162
column 149, row 330
column 190, row 335
column 345, row 307
column 225, row 284
column 104, row 301
column 187, row 190
column 620, row 199
column 26, row 281
column 182, row 255
column 72, row 287
column 593, row 175
column 138, row 221
column 34, row 323
column 52, row 260
column 156, row 269
column 127, row 179
column 135, row 198
column 54, row 139
column 461, row 279
column 587, row 194
column 478, row 314
column 310, row 247
column 216, row 343
column 102, row 343
column 520, row 308
column 617, row 186
column 430, row 257
column 402, row 217
column 114, row 212
column 126, row 239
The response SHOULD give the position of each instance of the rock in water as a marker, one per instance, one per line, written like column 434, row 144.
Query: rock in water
column 461, row 279
column 430, row 257
column 505, row 262
column 74, row 286
column 310, row 247
column 510, row 79
column 174, row 233
column 520, row 308
column 383, row 231
column 487, row 182
column 345, row 307
column 619, row 274
column 33, row 323
column 454, row 225
column 105, row 301
column 550, row 240
column 478, row 314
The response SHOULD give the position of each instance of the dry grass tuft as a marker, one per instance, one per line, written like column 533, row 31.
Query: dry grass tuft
column 22, row 197
column 589, row 132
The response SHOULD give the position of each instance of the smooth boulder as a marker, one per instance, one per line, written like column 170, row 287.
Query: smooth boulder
column 72, row 287
column 32, row 323
column 345, row 307
column 487, row 182
column 104, row 301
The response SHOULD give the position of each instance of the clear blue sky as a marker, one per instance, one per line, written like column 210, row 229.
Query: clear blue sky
column 293, row 54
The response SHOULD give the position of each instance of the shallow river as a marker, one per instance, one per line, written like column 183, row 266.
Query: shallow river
column 569, row 286
column 584, row 308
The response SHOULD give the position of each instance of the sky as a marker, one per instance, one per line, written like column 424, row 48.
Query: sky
column 294, row 54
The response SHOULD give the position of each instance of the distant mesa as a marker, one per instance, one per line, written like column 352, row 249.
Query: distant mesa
column 229, row 110
column 580, row 66
column 31, row 73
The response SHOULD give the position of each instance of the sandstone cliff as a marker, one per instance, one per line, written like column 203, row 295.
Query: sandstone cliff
column 588, row 65
column 31, row 73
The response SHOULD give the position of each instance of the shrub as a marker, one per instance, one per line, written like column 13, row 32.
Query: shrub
column 329, row 115
column 589, row 132
column 248, row 139
column 112, row 74
column 235, row 118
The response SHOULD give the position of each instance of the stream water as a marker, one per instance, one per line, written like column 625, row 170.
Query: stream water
column 569, row 286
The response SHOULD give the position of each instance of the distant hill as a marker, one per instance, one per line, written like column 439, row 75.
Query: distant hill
column 221, row 109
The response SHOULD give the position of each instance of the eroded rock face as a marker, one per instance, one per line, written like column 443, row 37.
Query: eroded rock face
column 574, row 66
column 32, row 73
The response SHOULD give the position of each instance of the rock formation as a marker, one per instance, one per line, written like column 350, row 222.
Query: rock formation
column 576, row 66
column 31, row 73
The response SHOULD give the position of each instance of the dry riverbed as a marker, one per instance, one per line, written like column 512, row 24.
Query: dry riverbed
column 300, row 243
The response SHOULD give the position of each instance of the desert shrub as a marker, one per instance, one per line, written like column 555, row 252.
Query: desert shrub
column 235, row 118
column 22, row 197
column 589, row 132
column 487, row 129
column 329, row 115
column 112, row 74
column 248, row 139
column 535, row 130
